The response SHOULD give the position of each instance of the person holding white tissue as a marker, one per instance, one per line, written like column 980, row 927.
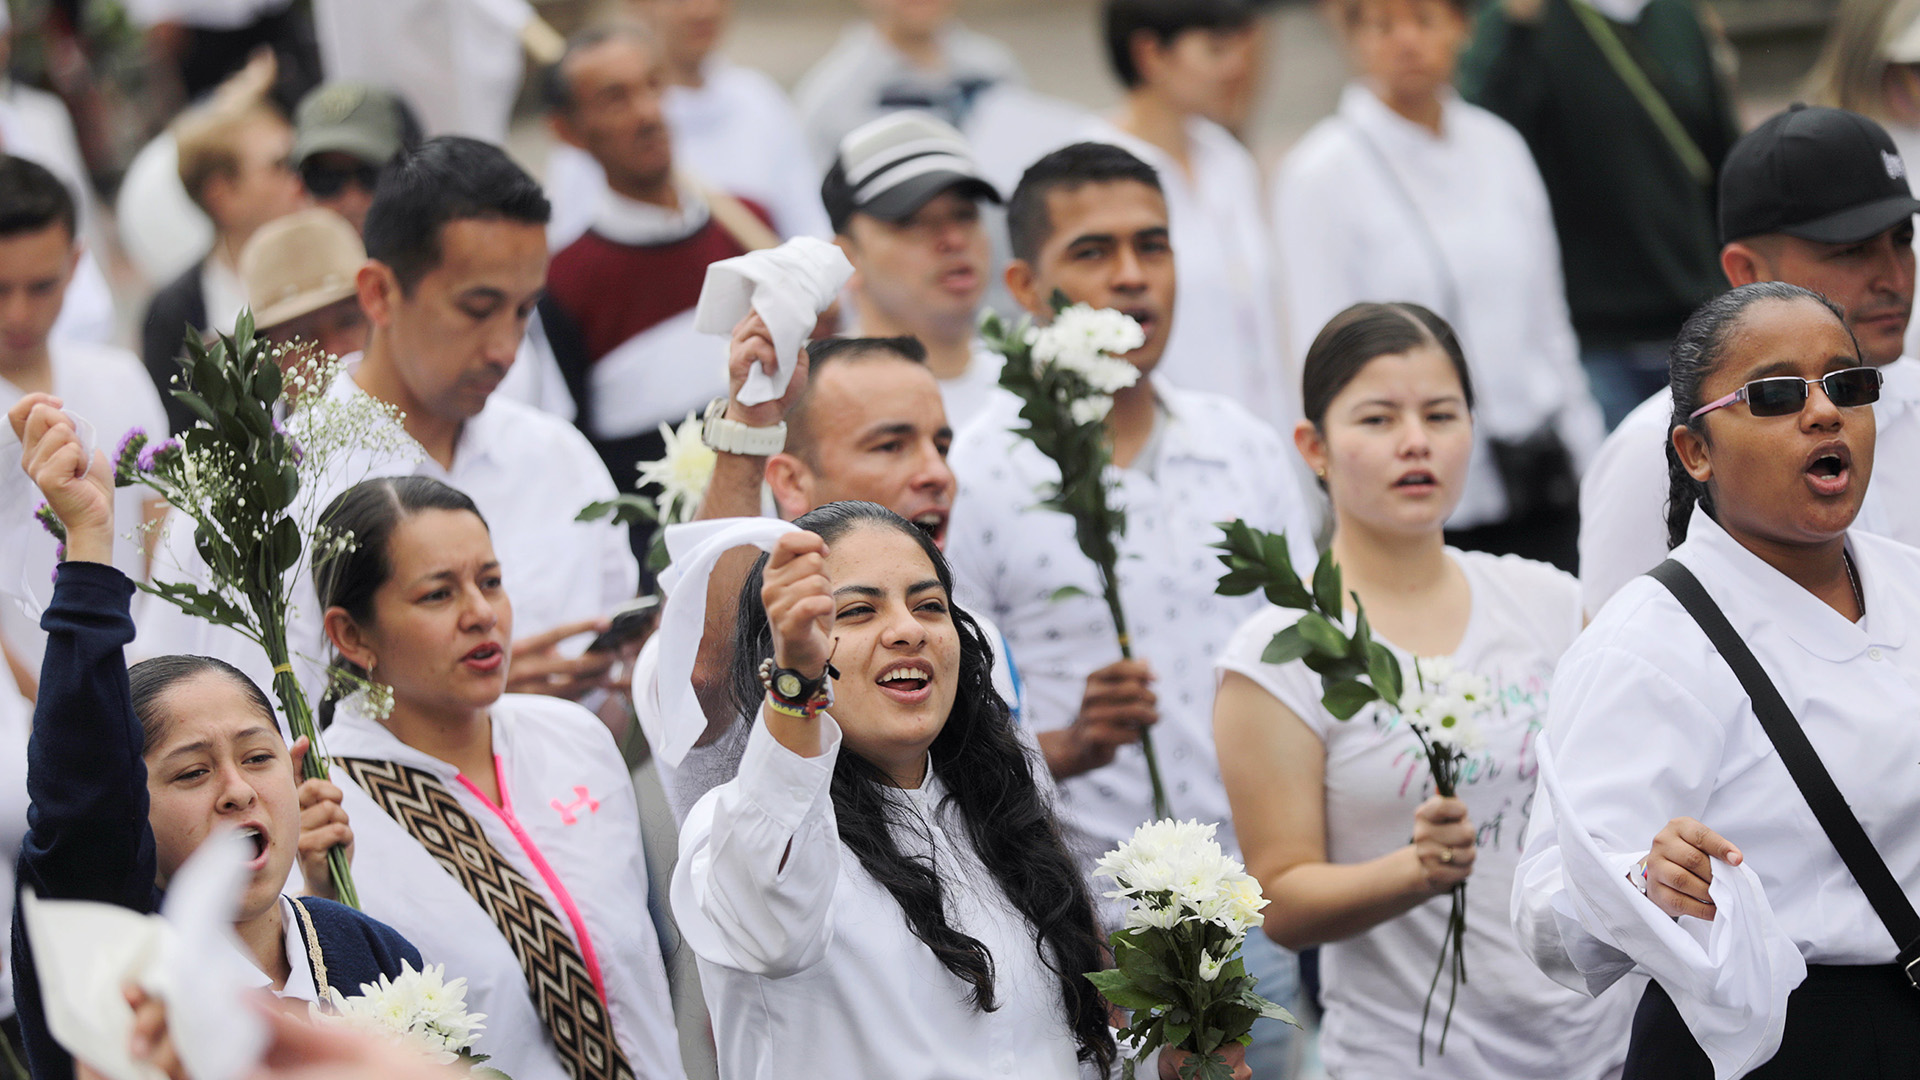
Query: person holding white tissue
column 882, row 889
column 1339, row 820
column 130, row 770
column 1660, row 765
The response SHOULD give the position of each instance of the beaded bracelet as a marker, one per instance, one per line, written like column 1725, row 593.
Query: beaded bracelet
column 805, row 712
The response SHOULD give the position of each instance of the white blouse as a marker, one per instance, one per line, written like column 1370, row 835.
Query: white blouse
column 809, row 967
column 1510, row 1021
column 1648, row 724
column 568, row 822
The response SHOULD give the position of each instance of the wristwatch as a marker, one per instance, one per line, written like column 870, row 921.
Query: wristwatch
column 733, row 437
column 797, row 693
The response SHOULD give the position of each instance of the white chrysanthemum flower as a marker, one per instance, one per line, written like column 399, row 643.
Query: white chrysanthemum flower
column 1088, row 342
column 1091, row 410
column 1446, row 704
column 1210, row 965
column 682, row 473
column 420, row 1009
column 1174, row 871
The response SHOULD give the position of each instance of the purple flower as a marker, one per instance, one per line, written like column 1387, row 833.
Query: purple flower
column 48, row 520
column 130, row 446
column 150, row 456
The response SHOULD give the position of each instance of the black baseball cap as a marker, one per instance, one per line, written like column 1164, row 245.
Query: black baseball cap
column 893, row 166
column 1826, row 175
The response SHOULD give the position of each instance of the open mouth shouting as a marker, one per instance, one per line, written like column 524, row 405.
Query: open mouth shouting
column 932, row 522
column 1417, row 482
column 256, row 836
column 1829, row 469
column 485, row 658
column 909, row 682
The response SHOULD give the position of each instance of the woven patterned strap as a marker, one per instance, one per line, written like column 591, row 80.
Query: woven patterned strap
column 557, row 976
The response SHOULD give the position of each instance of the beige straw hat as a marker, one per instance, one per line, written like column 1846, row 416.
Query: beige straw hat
column 298, row 264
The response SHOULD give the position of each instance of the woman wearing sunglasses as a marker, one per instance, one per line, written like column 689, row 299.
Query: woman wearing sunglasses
column 1657, row 754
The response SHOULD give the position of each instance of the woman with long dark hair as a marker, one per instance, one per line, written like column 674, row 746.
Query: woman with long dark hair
column 498, row 830
column 130, row 770
column 882, row 889
column 1339, row 819
column 1732, row 743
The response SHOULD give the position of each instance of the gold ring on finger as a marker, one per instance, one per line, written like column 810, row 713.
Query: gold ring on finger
column 1446, row 855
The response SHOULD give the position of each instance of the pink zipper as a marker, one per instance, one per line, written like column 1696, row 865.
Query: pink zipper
column 560, row 893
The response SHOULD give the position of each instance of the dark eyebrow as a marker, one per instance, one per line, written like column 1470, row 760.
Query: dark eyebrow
column 205, row 746
column 449, row 575
column 923, row 586
column 888, row 429
column 868, row 591
column 1093, row 238
column 484, row 292
column 1158, row 232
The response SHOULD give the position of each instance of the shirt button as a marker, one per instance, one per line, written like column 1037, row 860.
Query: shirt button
column 1873, row 653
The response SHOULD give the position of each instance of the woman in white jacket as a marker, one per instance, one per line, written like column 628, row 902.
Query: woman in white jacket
column 882, row 889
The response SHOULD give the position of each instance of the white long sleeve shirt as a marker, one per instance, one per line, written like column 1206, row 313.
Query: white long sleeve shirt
column 1348, row 234
column 1648, row 723
column 1211, row 461
column 811, row 971
column 568, row 823
column 530, row 474
column 1623, row 496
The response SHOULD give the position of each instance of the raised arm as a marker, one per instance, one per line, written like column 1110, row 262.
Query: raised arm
column 1274, row 768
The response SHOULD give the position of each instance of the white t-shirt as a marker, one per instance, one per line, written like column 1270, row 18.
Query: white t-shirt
column 108, row 387
column 967, row 393
column 1510, row 1021
column 458, row 63
column 16, row 724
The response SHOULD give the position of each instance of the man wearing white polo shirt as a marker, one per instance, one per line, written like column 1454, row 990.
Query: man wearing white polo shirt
column 1817, row 198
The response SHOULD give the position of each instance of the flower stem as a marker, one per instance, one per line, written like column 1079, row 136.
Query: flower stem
column 293, row 702
column 1110, row 589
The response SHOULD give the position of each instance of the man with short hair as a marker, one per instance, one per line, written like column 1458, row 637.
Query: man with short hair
column 732, row 127
column 904, row 196
column 102, row 384
column 1818, row 198
column 621, row 299
column 344, row 133
column 1186, row 65
column 456, row 261
column 300, row 274
column 234, row 165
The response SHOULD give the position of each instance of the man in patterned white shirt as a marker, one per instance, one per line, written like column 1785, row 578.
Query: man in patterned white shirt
column 1090, row 221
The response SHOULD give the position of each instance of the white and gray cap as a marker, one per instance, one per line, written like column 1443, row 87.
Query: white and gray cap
column 892, row 166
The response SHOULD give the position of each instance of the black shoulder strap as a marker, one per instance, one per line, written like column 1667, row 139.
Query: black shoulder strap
column 1803, row 763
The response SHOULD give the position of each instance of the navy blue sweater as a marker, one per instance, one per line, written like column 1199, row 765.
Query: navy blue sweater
column 88, row 837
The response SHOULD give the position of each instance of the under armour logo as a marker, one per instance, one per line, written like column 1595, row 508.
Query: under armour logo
column 1896, row 169
column 570, row 812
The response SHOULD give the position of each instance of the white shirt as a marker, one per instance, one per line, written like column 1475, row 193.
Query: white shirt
column 1648, row 723
column 966, row 395
column 456, row 62
column 529, row 473
column 109, row 387
column 223, row 293
column 35, row 125
column 1347, row 234
column 161, row 229
column 568, row 823
column 1226, row 339
column 810, row 969
column 736, row 131
column 1510, row 1021
column 864, row 77
column 1623, row 496
column 1215, row 462
column 16, row 725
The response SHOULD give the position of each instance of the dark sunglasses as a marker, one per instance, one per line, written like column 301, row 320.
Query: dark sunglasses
column 1787, row 394
column 326, row 181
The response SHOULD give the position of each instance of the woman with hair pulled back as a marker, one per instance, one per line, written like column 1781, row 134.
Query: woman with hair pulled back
column 1324, row 808
column 130, row 770
column 1658, row 756
column 498, row 830
column 881, row 889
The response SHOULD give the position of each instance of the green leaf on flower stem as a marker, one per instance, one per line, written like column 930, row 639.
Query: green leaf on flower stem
column 1240, row 582
column 195, row 601
column 1326, row 586
column 1286, row 590
column 1118, row 989
column 1287, row 646
column 1343, row 699
column 267, row 383
column 1384, row 669
column 624, row 510
column 1058, row 301
column 1324, row 638
column 1176, row 1034
column 1067, row 592
column 286, row 545
column 197, row 404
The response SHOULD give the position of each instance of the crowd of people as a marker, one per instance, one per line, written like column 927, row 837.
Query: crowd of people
column 1581, row 387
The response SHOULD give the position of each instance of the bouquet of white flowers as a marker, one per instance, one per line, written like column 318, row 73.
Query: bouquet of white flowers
column 420, row 1010
column 1177, row 961
column 682, row 474
column 1065, row 374
column 1442, row 708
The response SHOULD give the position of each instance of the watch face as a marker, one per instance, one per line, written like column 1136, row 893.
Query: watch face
column 788, row 684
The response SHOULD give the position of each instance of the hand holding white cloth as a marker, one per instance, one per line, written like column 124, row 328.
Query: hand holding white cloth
column 694, row 549
column 20, row 532
column 788, row 286
column 1731, row 988
column 187, row 956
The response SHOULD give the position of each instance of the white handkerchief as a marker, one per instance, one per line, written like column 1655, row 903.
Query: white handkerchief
column 789, row 286
column 694, row 548
column 187, row 956
column 1729, row 978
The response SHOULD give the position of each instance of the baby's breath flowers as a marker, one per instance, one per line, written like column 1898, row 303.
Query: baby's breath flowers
column 1065, row 374
column 1176, row 962
column 246, row 480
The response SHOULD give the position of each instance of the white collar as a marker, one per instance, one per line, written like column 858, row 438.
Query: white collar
column 368, row 737
column 637, row 224
column 1620, row 11
column 478, row 435
column 1902, row 383
column 1361, row 106
column 300, row 984
column 1755, row 595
